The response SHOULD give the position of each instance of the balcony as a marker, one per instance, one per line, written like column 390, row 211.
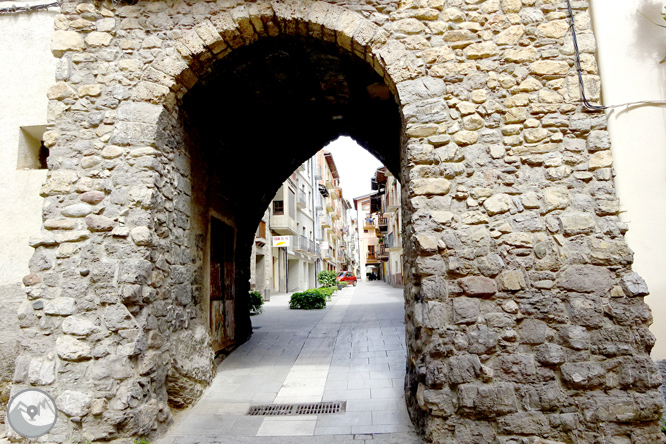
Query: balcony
column 297, row 244
column 383, row 253
column 392, row 205
column 302, row 201
column 326, row 220
column 383, row 224
column 305, row 245
column 329, row 205
column 369, row 223
column 393, row 242
column 371, row 258
column 283, row 224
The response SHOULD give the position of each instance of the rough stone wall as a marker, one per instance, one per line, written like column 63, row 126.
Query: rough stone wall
column 11, row 296
column 524, row 317
column 525, row 322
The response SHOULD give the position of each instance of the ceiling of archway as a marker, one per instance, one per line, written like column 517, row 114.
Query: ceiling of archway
column 265, row 108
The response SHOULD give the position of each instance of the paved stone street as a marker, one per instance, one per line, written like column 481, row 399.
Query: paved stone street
column 353, row 351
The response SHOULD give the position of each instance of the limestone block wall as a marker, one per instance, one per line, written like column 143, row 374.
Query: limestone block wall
column 525, row 323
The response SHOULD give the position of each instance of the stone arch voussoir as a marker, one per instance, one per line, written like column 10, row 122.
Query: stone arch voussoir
column 167, row 79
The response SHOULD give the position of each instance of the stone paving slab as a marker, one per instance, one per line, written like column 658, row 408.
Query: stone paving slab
column 353, row 351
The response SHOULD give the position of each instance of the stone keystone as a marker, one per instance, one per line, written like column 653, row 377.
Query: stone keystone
column 478, row 286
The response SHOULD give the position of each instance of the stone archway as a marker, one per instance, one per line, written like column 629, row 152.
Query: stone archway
column 524, row 319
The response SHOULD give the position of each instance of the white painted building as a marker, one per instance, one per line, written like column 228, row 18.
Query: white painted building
column 630, row 49
column 28, row 70
column 292, row 215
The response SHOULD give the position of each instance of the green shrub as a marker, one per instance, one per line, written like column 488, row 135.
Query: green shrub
column 324, row 291
column 307, row 300
column 327, row 278
column 256, row 302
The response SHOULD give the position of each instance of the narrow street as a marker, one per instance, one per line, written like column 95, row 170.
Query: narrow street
column 352, row 351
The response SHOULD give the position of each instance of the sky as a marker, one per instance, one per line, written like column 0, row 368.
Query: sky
column 355, row 165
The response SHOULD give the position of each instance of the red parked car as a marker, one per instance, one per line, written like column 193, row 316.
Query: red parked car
column 348, row 277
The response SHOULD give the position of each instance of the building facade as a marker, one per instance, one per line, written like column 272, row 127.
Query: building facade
column 309, row 227
column 389, row 217
column 332, row 217
column 368, row 240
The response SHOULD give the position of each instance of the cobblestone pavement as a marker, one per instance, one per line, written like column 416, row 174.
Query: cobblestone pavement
column 352, row 351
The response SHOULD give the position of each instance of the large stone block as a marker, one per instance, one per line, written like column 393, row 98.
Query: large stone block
column 73, row 403
column 72, row 349
column 63, row 41
column 478, row 286
column 586, row 279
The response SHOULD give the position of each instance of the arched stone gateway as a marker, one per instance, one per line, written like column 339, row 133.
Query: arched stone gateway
column 525, row 323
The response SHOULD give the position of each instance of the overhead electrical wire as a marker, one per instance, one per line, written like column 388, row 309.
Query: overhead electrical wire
column 579, row 68
column 13, row 9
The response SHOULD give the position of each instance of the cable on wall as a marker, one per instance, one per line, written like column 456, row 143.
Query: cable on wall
column 13, row 9
column 579, row 68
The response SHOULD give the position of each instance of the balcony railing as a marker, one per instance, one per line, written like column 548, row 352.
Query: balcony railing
column 302, row 243
column 369, row 223
column 302, row 200
column 383, row 253
column 393, row 204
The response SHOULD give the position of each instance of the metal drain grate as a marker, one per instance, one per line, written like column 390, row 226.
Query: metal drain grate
column 316, row 408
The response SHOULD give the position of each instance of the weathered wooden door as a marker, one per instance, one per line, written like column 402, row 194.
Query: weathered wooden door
column 222, row 288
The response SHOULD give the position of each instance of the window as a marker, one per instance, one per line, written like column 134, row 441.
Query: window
column 278, row 207
column 32, row 153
